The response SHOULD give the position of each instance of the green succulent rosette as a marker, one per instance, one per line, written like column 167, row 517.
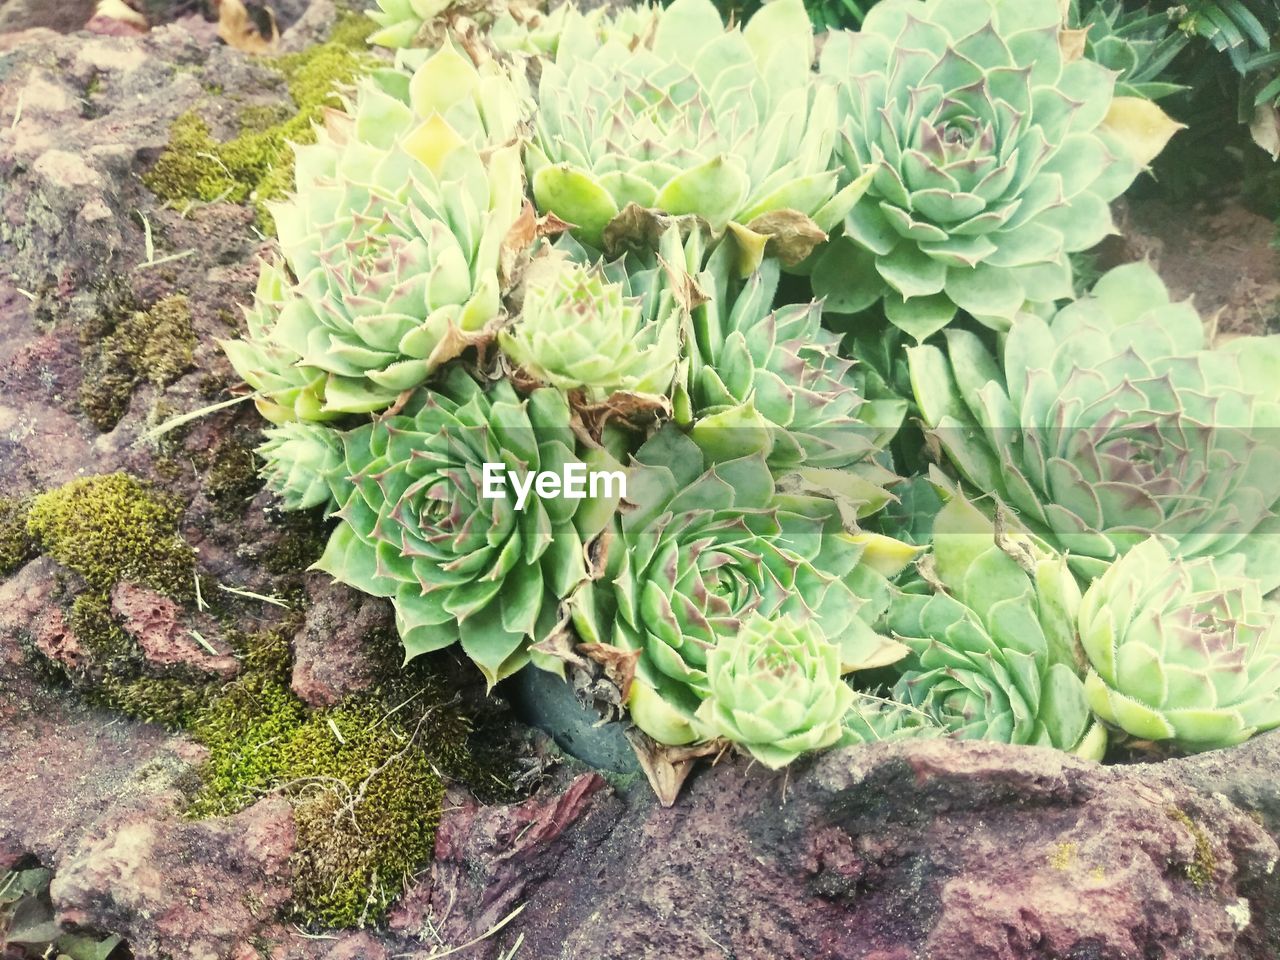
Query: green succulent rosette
column 874, row 719
column 1138, row 45
column 701, row 547
column 400, row 21
column 596, row 331
column 1181, row 650
column 752, row 369
column 776, row 688
column 299, row 462
column 283, row 389
column 420, row 100
column 531, row 32
column 993, row 634
column 1114, row 421
column 459, row 565
column 396, row 239
column 730, row 125
column 398, row 268
column 993, row 159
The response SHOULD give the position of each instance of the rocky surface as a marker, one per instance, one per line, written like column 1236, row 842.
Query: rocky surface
column 331, row 650
column 162, row 632
column 886, row 852
column 931, row 851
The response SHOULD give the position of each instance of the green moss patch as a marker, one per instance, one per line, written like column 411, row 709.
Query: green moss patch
column 257, row 165
column 1200, row 871
column 114, row 527
column 366, row 795
column 366, row 819
column 16, row 545
column 231, row 475
column 155, row 345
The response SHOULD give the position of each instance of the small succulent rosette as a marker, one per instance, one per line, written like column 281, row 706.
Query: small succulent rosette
column 992, row 630
column 1115, row 420
column 1181, row 650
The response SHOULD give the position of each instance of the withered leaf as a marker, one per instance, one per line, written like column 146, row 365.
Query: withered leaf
column 792, row 235
column 253, row 31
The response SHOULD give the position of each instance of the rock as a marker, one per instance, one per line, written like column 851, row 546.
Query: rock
column 360, row 946
column 54, row 639
column 167, row 884
column 543, row 700
column 933, row 849
column 333, row 653
column 157, row 623
column 488, row 858
column 61, row 765
column 1220, row 254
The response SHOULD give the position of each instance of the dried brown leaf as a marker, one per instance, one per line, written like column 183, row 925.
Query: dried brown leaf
column 666, row 767
column 239, row 28
column 792, row 235
column 619, row 665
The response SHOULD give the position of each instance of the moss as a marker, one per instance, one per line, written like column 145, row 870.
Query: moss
column 232, row 475
column 114, row 678
column 247, row 731
column 113, row 527
column 266, row 653
column 16, row 545
column 110, row 647
column 362, row 778
column 300, row 545
column 366, row 818
column 1200, row 871
column 156, row 345
column 164, row 700
column 257, row 165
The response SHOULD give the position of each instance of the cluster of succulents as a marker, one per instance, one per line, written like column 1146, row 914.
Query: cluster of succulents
column 556, row 360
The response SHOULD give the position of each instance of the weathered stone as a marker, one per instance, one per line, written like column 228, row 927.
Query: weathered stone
column 911, row 851
column 168, row 885
column 158, row 624
column 334, row 648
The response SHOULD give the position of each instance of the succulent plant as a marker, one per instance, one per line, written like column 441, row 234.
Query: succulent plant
column 298, row 461
column 396, row 237
column 702, row 547
column 1112, row 422
column 595, row 330
column 398, row 268
column 1137, row 44
column 749, row 364
column 994, row 158
column 875, row 719
column 415, row 23
column 1181, row 650
column 776, row 688
column 283, row 389
column 689, row 118
column 532, row 32
column 996, row 655
column 418, row 527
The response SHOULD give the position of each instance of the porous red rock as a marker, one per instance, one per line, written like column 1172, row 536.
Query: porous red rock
column 933, row 850
column 334, row 649
column 161, row 629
